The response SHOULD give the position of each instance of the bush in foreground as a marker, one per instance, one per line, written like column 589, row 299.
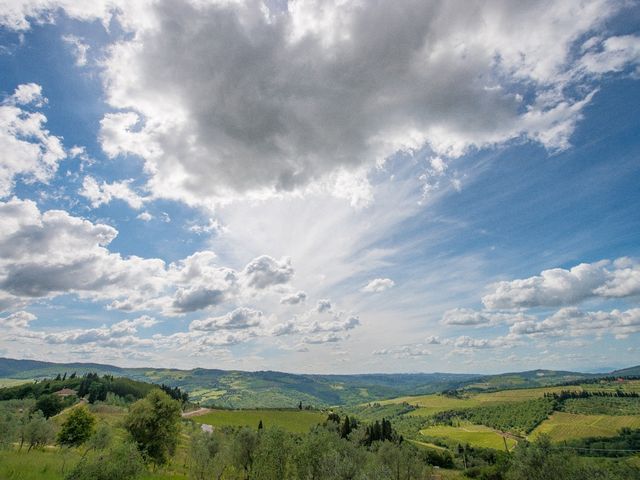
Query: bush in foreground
column 123, row 462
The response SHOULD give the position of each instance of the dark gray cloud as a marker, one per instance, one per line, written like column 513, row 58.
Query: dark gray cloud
column 190, row 300
column 240, row 100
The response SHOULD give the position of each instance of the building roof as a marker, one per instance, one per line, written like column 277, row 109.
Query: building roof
column 66, row 392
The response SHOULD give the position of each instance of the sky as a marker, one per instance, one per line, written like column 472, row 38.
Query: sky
column 321, row 186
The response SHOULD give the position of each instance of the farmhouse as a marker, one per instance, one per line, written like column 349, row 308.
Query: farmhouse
column 66, row 392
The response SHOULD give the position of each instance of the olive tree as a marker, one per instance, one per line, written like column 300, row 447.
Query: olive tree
column 153, row 424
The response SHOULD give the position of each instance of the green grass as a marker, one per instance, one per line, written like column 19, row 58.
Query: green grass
column 47, row 465
column 12, row 382
column 35, row 465
column 565, row 426
column 297, row 421
column 474, row 435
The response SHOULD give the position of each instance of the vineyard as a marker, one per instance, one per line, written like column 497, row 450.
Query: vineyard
column 519, row 417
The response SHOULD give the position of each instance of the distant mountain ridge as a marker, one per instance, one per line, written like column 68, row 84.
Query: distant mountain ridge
column 241, row 389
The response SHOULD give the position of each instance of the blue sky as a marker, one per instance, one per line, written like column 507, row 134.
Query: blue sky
column 321, row 186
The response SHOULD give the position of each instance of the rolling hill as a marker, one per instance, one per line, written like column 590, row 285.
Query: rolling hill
column 240, row 389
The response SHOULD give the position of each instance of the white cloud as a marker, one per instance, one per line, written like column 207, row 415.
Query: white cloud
column 26, row 94
column 323, row 305
column 265, row 271
column 466, row 342
column 432, row 340
column 612, row 55
column 378, row 285
column 316, row 328
column 469, row 317
column 43, row 255
column 78, row 48
column 331, row 337
column 574, row 322
column 238, row 319
column 29, row 151
column 145, row 216
column 294, row 298
column 404, row 351
column 212, row 226
column 119, row 334
column 17, row 320
column 557, row 286
column 50, row 253
column 337, row 325
column 104, row 193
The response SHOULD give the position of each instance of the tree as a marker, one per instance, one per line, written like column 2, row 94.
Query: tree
column 124, row 462
column 402, row 461
column 49, row 405
column 153, row 423
column 243, row 450
column 206, row 456
column 38, row 432
column 539, row 461
column 77, row 428
column 345, row 429
column 8, row 430
column 97, row 392
column 271, row 455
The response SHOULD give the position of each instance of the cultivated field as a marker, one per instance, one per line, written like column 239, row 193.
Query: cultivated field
column 565, row 426
column 434, row 403
column 12, row 382
column 297, row 421
column 474, row 435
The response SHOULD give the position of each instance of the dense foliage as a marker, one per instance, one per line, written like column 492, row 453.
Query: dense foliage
column 91, row 385
column 123, row 462
column 567, row 394
column 175, row 393
column 544, row 461
column 626, row 443
column 153, row 424
column 602, row 406
column 77, row 427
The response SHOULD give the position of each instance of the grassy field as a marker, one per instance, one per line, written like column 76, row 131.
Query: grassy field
column 475, row 435
column 564, row 426
column 298, row 421
column 12, row 382
column 52, row 463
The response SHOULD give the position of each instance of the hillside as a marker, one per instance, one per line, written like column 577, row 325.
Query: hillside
column 240, row 389
column 626, row 372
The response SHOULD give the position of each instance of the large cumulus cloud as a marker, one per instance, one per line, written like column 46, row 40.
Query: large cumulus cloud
column 51, row 253
column 229, row 98
column 559, row 286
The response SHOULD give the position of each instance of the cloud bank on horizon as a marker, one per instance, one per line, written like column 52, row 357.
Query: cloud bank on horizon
column 320, row 186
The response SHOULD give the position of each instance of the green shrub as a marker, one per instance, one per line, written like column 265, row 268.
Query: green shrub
column 121, row 463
